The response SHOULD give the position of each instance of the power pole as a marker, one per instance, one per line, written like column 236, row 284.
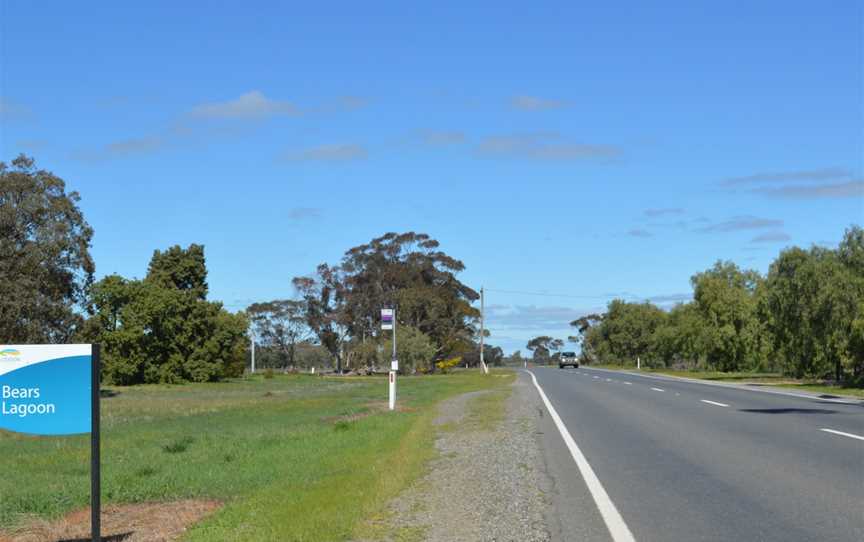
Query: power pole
column 482, row 330
column 252, row 343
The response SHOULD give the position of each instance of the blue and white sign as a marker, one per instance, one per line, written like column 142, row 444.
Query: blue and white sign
column 46, row 389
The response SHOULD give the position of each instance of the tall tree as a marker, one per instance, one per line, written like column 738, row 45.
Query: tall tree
column 181, row 268
column 407, row 271
column 543, row 346
column 812, row 306
column 628, row 328
column 157, row 330
column 46, row 267
column 280, row 324
column 725, row 297
column 327, row 315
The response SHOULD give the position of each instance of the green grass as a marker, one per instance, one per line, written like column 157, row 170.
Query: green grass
column 293, row 457
column 767, row 379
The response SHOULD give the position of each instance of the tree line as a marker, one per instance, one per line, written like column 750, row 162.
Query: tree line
column 338, row 308
column 162, row 328
column 804, row 318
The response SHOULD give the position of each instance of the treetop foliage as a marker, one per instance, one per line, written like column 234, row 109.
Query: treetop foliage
column 46, row 268
column 407, row 271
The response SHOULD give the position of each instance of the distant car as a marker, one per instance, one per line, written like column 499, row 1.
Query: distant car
column 568, row 358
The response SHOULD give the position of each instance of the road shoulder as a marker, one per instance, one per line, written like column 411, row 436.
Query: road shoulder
column 488, row 483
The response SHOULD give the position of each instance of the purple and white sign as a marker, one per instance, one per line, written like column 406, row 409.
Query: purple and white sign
column 386, row 318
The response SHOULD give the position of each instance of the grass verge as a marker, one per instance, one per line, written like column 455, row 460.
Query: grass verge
column 293, row 457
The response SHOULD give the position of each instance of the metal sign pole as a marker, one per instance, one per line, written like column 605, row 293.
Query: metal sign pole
column 95, row 448
column 394, row 366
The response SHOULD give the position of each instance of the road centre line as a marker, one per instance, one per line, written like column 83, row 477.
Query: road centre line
column 629, row 383
column 614, row 522
column 841, row 433
column 658, row 389
column 715, row 403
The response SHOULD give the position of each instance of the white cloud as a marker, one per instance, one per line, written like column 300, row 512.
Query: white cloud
column 664, row 211
column 739, row 223
column 328, row 153
column 850, row 189
column 639, row 232
column 542, row 146
column 771, row 237
column 302, row 213
column 823, row 174
column 121, row 149
column 249, row 106
column 533, row 103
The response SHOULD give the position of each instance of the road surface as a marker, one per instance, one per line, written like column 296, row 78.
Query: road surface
column 685, row 461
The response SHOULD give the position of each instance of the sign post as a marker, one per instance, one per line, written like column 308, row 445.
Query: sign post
column 388, row 322
column 48, row 390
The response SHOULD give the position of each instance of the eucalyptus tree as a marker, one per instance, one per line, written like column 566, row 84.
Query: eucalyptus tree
column 45, row 268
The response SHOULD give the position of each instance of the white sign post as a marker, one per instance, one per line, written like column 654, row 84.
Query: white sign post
column 388, row 322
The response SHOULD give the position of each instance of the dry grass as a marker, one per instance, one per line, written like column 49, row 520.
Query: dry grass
column 145, row 522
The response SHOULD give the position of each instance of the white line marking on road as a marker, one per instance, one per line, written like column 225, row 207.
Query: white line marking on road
column 629, row 383
column 741, row 387
column 715, row 403
column 614, row 522
column 608, row 380
column 841, row 433
column 596, row 377
column 658, row 389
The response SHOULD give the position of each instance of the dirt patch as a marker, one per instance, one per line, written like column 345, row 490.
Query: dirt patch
column 145, row 522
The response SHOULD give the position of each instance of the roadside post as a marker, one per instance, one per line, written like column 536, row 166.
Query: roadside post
column 53, row 390
column 388, row 322
column 482, row 332
column 252, row 349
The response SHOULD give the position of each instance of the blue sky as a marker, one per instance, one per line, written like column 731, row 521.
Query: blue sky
column 585, row 150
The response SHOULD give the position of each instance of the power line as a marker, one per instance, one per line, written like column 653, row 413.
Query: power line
column 570, row 296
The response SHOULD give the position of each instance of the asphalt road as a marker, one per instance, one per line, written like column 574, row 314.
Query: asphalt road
column 684, row 461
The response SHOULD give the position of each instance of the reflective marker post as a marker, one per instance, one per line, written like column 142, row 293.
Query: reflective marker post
column 392, row 390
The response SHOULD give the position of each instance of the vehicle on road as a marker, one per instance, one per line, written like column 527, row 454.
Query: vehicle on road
column 568, row 358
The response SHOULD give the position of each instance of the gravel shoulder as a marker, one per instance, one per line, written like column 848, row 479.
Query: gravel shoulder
column 489, row 481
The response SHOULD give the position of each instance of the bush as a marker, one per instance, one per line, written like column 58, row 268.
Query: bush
column 447, row 364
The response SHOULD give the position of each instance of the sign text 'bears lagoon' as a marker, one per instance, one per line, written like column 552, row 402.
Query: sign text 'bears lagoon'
column 46, row 389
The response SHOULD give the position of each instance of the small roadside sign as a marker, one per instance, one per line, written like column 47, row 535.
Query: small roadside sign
column 386, row 319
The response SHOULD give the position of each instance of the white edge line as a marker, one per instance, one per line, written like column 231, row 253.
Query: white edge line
column 658, row 389
column 629, row 383
column 715, row 403
column 850, row 435
column 773, row 391
column 614, row 522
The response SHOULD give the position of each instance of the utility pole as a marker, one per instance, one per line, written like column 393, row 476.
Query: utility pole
column 482, row 330
column 252, row 343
